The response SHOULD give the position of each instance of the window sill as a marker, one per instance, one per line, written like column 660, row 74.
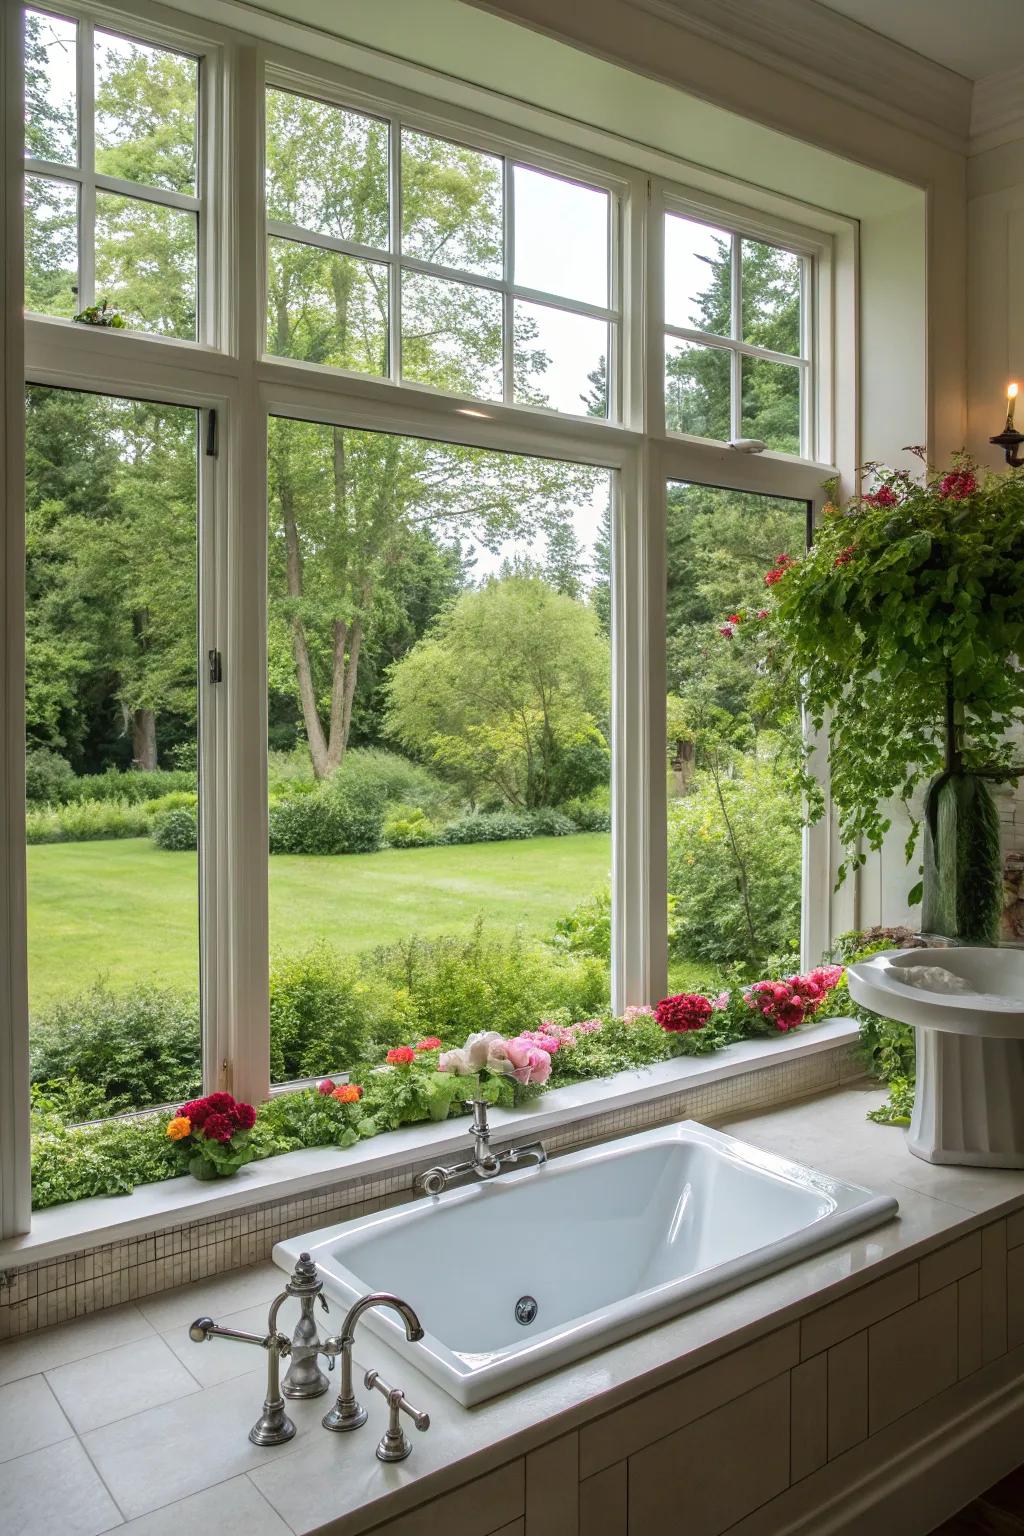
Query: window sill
column 85, row 1224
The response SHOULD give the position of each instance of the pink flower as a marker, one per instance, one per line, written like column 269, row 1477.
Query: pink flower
column 591, row 1026
column 790, row 1015
column 720, row 1002
column 325, row 1085
column 727, row 631
column 529, row 1063
column 543, row 1041
column 637, row 1011
column 763, row 613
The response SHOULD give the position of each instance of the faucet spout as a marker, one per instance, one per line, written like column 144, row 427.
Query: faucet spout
column 347, row 1412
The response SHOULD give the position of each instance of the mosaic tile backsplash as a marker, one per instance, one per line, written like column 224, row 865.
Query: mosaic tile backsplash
column 56, row 1290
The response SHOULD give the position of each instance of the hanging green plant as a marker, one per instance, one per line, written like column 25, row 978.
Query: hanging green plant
column 902, row 626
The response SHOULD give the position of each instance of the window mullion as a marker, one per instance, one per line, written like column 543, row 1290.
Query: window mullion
column 87, row 162
column 508, row 310
column 395, row 274
column 736, row 331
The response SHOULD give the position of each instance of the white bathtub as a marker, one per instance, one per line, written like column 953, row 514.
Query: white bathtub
column 598, row 1244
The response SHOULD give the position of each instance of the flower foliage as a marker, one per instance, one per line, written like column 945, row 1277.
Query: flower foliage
column 911, row 596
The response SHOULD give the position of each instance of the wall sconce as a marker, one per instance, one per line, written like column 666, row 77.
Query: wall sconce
column 1009, row 439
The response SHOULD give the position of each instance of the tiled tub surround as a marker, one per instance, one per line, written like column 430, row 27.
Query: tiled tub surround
column 874, row 1388
column 167, row 1234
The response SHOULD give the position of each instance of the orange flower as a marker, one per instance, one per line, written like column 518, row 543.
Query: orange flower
column 179, row 1128
column 348, row 1093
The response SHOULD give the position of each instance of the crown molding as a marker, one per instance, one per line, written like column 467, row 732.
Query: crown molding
column 813, row 44
column 997, row 109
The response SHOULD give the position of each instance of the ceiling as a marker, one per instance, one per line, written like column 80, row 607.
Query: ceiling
column 973, row 37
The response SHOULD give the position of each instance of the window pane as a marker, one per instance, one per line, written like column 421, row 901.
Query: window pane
column 451, row 336
column 771, row 403
column 323, row 307
column 51, row 121
column 51, row 246
column 561, row 236
column 457, row 600
column 734, row 741
column 771, row 297
column 146, row 113
column 327, row 169
column 698, row 292
column 697, row 389
column 451, row 204
column 561, row 360
column 146, row 264
column 111, row 712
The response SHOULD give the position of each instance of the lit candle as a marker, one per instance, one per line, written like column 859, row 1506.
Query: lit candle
column 1011, row 404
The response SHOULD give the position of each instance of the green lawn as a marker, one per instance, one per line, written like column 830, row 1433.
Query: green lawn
column 127, row 912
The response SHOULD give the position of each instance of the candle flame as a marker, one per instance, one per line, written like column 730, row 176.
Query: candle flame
column 1012, row 391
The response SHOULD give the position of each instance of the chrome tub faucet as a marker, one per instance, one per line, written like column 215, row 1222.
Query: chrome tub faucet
column 347, row 1412
column 484, row 1163
column 305, row 1378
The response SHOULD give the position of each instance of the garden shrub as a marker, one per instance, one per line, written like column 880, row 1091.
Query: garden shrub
column 451, row 986
column 406, row 826
column 49, row 778
column 710, row 916
column 587, row 929
column 488, row 827
column 134, row 784
column 325, row 1013
column 130, row 1049
column 174, row 800
column 401, row 781
column 548, row 822
column 85, row 822
column 591, row 815
column 176, row 831
column 340, row 816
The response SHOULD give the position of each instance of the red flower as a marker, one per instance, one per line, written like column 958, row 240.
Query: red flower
column 431, row 1043
column 734, row 618
column 726, row 631
column 325, row 1085
column 686, row 1011
column 400, row 1055
column 244, row 1116
column 778, row 570
column 885, row 496
column 958, row 485
column 218, row 1127
column 790, row 1015
column 845, row 555
column 195, row 1110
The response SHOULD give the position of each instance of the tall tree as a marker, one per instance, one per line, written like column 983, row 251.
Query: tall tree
column 349, row 509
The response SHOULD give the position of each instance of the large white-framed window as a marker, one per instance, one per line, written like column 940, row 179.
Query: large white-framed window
column 629, row 439
column 411, row 252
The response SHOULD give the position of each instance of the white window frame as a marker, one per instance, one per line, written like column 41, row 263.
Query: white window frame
column 88, row 20
column 231, row 373
column 398, row 262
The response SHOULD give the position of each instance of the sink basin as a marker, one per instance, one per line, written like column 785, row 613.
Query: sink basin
column 542, row 1266
column 969, row 1099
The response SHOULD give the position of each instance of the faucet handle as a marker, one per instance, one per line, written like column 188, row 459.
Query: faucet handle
column 395, row 1444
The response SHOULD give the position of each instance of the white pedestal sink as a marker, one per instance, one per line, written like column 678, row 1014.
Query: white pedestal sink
column 969, row 1102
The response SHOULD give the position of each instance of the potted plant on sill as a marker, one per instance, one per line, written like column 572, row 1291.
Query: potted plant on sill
column 901, row 627
column 211, row 1135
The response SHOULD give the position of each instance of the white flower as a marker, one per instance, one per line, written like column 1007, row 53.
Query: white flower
column 482, row 1052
